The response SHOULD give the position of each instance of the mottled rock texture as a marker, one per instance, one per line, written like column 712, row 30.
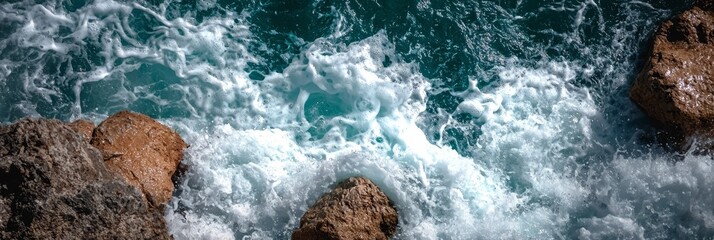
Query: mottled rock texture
column 676, row 85
column 84, row 128
column 53, row 185
column 355, row 209
column 143, row 150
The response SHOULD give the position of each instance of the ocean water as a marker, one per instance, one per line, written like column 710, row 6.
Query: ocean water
column 481, row 119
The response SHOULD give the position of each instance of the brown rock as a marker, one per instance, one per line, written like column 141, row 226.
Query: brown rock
column 676, row 85
column 53, row 185
column 84, row 128
column 143, row 150
column 356, row 209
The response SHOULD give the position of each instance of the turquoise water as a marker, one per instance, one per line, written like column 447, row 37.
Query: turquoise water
column 479, row 119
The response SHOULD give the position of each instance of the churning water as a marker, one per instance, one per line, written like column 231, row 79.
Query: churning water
column 481, row 119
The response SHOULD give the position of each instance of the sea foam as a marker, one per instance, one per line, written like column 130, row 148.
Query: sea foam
column 545, row 162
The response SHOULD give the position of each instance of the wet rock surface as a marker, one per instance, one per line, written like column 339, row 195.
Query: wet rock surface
column 355, row 209
column 143, row 150
column 53, row 185
column 676, row 85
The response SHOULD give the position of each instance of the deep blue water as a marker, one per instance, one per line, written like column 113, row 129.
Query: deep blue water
column 480, row 119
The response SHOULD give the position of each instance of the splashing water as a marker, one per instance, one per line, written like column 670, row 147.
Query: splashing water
column 480, row 120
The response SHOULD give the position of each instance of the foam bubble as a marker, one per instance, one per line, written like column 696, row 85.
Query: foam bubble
column 654, row 192
column 535, row 126
column 611, row 227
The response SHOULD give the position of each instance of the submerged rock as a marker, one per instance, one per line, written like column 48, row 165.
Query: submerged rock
column 355, row 209
column 676, row 85
column 143, row 150
column 53, row 185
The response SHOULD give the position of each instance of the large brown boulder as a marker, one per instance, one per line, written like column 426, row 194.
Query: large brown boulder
column 143, row 150
column 54, row 185
column 355, row 209
column 83, row 127
column 676, row 85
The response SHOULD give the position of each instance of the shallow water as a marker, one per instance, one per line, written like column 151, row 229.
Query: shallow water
column 479, row 119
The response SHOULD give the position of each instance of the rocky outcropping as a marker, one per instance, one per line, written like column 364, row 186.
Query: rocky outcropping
column 143, row 150
column 83, row 127
column 676, row 85
column 355, row 209
column 53, row 185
